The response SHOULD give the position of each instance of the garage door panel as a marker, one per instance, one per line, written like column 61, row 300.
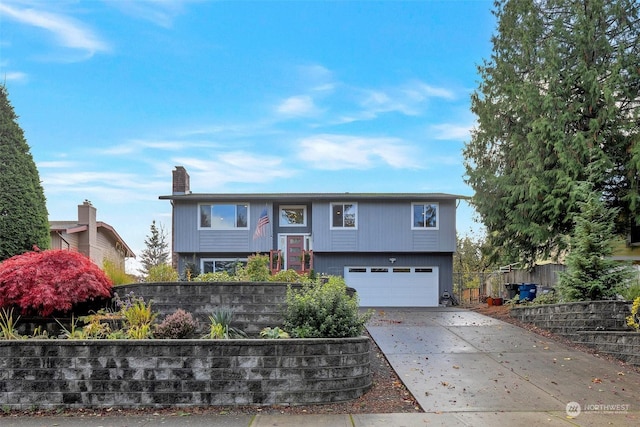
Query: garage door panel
column 394, row 287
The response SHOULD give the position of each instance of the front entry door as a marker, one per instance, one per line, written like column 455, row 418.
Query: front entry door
column 295, row 246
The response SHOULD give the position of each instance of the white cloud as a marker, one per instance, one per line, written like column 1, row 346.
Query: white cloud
column 67, row 31
column 159, row 12
column 420, row 91
column 58, row 164
column 297, row 106
column 335, row 152
column 318, row 78
column 448, row 131
column 15, row 76
column 233, row 167
column 138, row 145
column 409, row 99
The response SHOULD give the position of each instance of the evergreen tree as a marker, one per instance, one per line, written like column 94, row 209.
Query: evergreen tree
column 591, row 273
column 559, row 95
column 470, row 260
column 24, row 219
column 157, row 251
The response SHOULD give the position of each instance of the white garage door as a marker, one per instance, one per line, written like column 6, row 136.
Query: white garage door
column 394, row 286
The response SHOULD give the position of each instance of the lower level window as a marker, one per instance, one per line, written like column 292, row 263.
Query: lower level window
column 219, row 265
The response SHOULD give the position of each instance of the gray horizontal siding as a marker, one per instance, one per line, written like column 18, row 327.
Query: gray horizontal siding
column 384, row 226
column 189, row 239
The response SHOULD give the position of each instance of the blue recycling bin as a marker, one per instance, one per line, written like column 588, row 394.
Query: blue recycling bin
column 527, row 291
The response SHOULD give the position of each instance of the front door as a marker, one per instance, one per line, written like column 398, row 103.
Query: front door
column 295, row 246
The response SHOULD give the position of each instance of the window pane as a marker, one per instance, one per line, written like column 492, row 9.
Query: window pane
column 292, row 216
column 205, row 216
column 430, row 212
column 230, row 266
column 349, row 215
column 418, row 216
column 242, row 216
column 337, row 216
column 223, row 217
column 207, row 266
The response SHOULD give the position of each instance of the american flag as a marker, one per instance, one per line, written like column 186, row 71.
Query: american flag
column 262, row 224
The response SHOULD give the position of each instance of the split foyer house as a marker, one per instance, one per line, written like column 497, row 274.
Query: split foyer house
column 395, row 249
column 95, row 239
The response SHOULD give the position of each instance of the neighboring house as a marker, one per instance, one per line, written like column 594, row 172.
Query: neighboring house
column 95, row 239
column 394, row 249
column 628, row 250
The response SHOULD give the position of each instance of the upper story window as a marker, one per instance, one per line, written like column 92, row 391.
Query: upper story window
column 344, row 215
column 293, row 216
column 425, row 215
column 224, row 217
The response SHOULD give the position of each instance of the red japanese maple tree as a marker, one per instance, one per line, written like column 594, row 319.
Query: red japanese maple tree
column 52, row 280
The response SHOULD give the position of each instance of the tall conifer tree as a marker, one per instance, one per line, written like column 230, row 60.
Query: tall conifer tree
column 157, row 250
column 558, row 103
column 24, row 219
column 591, row 273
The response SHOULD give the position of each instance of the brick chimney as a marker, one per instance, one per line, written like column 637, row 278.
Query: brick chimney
column 181, row 181
column 88, row 240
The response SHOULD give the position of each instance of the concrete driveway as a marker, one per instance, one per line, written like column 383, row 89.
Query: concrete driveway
column 482, row 371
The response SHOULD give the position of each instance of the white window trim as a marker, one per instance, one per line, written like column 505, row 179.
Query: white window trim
column 203, row 260
column 304, row 215
column 331, row 205
column 437, row 205
column 224, row 229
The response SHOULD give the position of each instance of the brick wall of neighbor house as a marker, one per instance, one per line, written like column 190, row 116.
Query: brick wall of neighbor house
column 163, row 373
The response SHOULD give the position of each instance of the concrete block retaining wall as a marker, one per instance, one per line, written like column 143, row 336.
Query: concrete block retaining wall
column 255, row 305
column 160, row 373
column 598, row 324
column 624, row 346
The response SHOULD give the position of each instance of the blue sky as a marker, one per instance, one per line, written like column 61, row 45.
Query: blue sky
column 261, row 96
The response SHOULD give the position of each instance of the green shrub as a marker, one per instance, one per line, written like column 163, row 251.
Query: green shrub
column 179, row 324
column 220, row 325
column 257, row 268
column 273, row 333
column 218, row 276
column 633, row 319
column 8, row 329
column 631, row 292
column 548, row 298
column 162, row 273
column 137, row 316
column 117, row 274
column 290, row 276
column 323, row 311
